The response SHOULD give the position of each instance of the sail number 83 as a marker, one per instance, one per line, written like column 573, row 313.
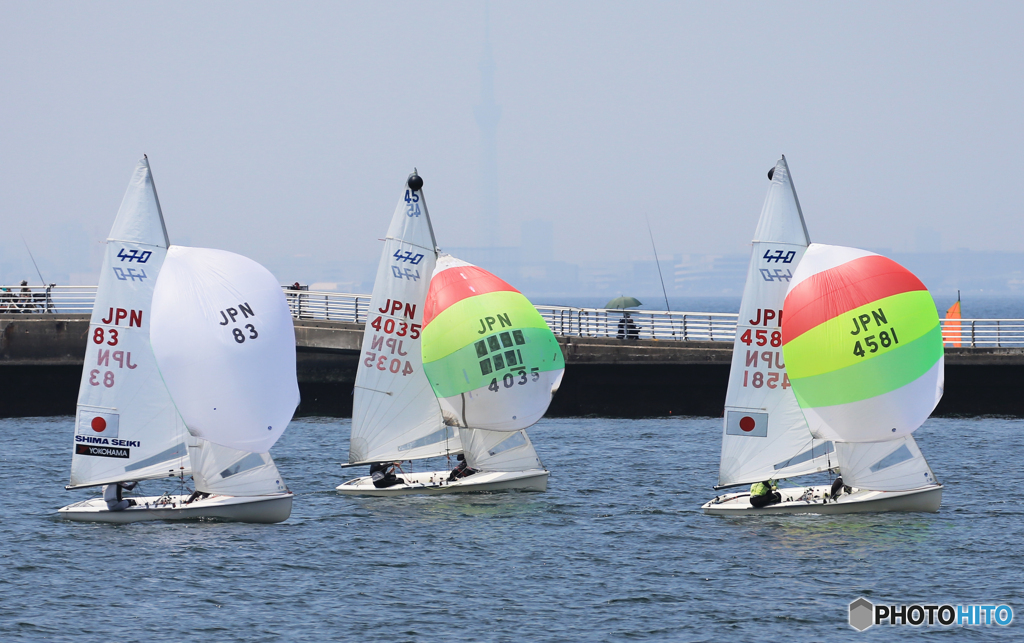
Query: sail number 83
column 240, row 336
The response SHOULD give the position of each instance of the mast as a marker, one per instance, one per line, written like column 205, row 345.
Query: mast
column 395, row 415
column 126, row 425
column 764, row 433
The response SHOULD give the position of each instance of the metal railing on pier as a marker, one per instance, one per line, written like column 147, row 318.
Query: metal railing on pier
column 639, row 324
column 48, row 299
column 564, row 320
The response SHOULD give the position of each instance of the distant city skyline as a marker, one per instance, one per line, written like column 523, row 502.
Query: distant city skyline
column 284, row 132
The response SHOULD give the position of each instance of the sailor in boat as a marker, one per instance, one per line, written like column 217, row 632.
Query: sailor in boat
column 837, row 488
column 196, row 495
column 462, row 470
column 765, row 493
column 112, row 494
column 383, row 475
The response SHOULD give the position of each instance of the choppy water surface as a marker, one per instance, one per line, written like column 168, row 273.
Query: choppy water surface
column 615, row 550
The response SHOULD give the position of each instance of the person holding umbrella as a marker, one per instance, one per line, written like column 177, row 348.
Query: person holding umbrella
column 627, row 329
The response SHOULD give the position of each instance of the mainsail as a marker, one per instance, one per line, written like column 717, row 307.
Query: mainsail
column 225, row 344
column 864, row 347
column 394, row 413
column 764, row 433
column 492, row 361
column 126, row 426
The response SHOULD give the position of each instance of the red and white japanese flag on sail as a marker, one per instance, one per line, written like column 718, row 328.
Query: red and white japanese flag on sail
column 751, row 424
column 98, row 423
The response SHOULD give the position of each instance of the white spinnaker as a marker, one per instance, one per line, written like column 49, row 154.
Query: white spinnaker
column 893, row 465
column 499, row 450
column 126, row 426
column 395, row 415
column 230, row 472
column 224, row 339
column 756, row 392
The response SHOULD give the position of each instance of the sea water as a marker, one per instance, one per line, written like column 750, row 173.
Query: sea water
column 617, row 549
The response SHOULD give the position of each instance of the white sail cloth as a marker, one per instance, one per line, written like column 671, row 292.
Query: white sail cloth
column 499, row 450
column 395, row 415
column 225, row 342
column 764, row 433
column 893, row 465
column 230, row 472
column 126, row 426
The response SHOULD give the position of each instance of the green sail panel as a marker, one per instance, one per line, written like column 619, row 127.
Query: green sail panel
column 490, row 357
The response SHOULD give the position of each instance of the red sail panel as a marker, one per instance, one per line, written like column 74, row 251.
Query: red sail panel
column 838, row 290
column 451, row 286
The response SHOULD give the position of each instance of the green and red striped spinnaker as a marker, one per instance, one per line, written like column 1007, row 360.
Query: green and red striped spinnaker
column 862, row 344
column 489, row 356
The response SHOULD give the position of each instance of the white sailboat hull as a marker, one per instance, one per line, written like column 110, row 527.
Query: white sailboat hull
column 256, row 509
column 811, row 500
column 436, row 482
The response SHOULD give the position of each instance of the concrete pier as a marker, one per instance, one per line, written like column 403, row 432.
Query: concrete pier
column 41, row 359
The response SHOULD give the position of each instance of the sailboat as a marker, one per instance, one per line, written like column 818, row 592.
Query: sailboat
column 127, row 427
column 396, row 414
column 783, row 431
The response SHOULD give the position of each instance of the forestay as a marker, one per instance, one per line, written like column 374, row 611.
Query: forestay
column 225, row 343
column 490, row 357
column 394, row 413
column 764, row 433
column 126, row 426
column 863, row 344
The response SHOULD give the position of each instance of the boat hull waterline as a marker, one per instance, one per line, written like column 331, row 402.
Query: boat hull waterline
column 255, row 509
column 436, row 482
column 809, row 500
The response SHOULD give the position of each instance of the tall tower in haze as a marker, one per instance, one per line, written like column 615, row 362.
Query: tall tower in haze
column 488, row 113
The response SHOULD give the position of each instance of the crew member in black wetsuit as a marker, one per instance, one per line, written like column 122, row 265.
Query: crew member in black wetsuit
column 383, row 475
column 462, row 470
column 837, row 488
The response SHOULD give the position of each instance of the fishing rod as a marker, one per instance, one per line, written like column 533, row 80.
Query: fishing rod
column 33, row 260
column 657, row 262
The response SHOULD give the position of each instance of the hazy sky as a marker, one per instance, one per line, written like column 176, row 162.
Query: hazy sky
column 283, row 129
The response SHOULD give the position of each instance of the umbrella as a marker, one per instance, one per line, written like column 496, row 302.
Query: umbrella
column 623, row 302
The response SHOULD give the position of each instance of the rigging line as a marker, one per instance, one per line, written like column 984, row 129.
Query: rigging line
column 410, row 243
column 367, row 388
column 657, row 262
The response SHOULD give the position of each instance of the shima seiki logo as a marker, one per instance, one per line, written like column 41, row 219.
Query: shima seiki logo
column 864, row 614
